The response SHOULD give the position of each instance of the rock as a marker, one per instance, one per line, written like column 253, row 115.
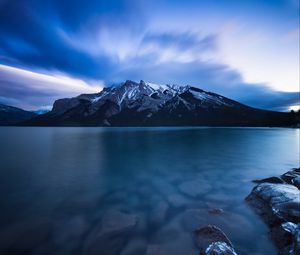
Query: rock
column 109, row 237
column 24, row 237
column 220, row 198
column 290, row 175
column 158, row 213
column 155, row 249
column 219, row 248
column 136, row 246
column 279, row 206
column 212, row 241
column 297, row 240
column 296, row 182
column 163, row 188
column 289, row 211
column 191, row 219
column 194, row 188
column 287, row 238
column 168, row 232
column 181, row 244
column 116, row 221
column 273, row 179
column 216, row 211
column 177, row 200
column 68, row 234
column 209, row 234
column 275, row 201
column 294, row 230
column 296, row 170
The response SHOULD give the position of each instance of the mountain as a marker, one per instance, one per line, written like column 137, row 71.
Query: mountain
column 10, row 115
column 148, row 104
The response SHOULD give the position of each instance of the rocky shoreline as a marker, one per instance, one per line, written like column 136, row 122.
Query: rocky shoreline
column 277, row 200
column 212, row 241
column 119, row 231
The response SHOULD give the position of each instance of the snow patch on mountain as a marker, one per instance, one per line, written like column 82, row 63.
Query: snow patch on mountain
column 210, row 98
column 143, row 97
column 151, row 96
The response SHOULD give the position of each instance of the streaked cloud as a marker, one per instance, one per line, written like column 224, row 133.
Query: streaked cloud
column 33, row 90
column 247, row 50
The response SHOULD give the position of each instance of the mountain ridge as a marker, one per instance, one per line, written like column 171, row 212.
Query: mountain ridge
column 10, row 115
column 148, row 104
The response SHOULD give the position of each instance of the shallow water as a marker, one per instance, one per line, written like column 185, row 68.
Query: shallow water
column 59, row 185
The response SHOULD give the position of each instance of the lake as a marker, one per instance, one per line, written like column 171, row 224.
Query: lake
column 64, row 189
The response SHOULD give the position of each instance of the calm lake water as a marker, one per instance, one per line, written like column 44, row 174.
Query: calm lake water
column 64, row 189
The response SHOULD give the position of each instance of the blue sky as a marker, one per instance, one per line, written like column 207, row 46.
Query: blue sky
column 246, row 50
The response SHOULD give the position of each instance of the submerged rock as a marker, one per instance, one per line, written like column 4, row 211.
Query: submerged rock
column 109, row 237
column 158, row 213
column 155, row 249
column 212, row 241
column 24, row 237
column 279, row 206
column 181, row 243
column 115, row 221
column 194, row 188
column 216, row 211
column 177, row 200
column 136, row 246
column 229, row 222
column 68, row 233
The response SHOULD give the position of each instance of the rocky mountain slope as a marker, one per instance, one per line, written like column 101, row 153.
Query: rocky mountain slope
column 10, row 115
column 148, row 104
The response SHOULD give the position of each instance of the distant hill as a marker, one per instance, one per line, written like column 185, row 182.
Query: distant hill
column 148, row 104
column 10, row 115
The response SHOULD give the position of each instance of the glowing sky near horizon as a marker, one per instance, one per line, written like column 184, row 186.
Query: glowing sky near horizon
column 246, row 50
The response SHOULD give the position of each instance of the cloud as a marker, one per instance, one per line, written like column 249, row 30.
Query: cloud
column 29, row 35
column 182, row 47
column 33, row 90
column 70, row 45
column 213, row 77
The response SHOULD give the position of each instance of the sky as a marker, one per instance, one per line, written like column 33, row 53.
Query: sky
column 246, row 50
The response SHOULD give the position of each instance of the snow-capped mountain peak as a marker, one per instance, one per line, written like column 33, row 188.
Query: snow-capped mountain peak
column 149, row 104
column 146, row 96
column 144, row 99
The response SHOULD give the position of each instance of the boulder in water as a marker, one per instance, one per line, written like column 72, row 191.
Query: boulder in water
column 279, row 206
column 212, row 241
